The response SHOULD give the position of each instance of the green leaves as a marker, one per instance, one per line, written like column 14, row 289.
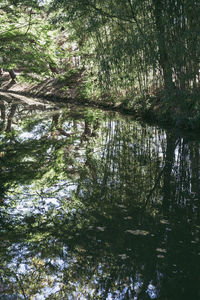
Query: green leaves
column 25, row 36
column 136, row 45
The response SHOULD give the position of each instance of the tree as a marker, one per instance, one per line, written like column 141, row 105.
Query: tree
column 27, row 39
column 139, row 44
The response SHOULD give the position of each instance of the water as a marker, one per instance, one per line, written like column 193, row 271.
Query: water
column 95, row 205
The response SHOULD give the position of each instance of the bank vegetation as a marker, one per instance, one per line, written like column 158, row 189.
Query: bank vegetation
column 139, row 56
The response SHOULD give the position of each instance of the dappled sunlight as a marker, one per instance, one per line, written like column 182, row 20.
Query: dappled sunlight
column 96, row 206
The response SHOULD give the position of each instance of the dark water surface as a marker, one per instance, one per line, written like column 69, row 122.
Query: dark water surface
column 94, row 205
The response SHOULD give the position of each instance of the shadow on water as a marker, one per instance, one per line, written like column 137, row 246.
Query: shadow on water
column 96, row 206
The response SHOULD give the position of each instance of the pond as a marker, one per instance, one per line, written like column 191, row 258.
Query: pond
column 96, row 205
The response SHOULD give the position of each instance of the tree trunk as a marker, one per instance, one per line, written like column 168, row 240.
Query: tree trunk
column 10, row 117
column 3, row 110
column 162, row 45
column 12, row 74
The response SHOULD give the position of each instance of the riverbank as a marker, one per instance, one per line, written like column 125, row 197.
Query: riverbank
column 176, row 110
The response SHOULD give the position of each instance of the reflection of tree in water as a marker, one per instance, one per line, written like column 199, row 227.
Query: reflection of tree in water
column 114, row 209
column 181, row 208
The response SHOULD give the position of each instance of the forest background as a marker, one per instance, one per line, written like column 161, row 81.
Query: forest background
column 139, row 55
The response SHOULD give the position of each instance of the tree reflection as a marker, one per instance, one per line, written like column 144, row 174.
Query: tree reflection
column 98, row 206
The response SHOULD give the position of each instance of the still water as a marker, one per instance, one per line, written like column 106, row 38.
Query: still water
column 95, row 205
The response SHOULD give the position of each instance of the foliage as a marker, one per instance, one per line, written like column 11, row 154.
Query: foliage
column 137, row 45
column 28, row 41
column 126, row 48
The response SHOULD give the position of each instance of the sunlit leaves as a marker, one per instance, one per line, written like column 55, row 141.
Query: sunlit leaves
column 26, row 38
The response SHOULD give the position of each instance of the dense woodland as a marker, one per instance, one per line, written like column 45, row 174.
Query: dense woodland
column 128, row 49
column 95, row 204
